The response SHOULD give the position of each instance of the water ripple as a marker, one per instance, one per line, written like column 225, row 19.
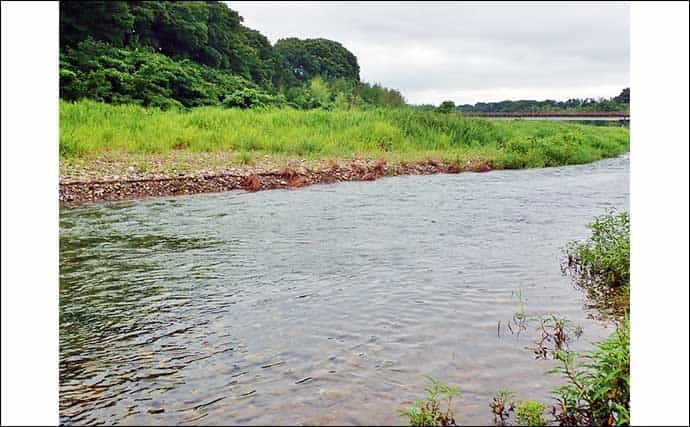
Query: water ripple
column 324, row 305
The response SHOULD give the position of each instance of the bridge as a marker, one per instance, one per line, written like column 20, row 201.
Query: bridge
column 623, row 118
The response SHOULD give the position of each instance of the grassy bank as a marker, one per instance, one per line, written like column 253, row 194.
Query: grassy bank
column 91, row 130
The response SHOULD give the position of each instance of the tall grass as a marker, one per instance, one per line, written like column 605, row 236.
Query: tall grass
column 90, row 128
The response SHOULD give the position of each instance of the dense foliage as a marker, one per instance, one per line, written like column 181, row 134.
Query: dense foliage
column 208, row 33
column 303, row 59
column 620, row 103
column 190, row 53
column 100, row 71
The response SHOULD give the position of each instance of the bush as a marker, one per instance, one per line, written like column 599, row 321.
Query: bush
column 251, row 98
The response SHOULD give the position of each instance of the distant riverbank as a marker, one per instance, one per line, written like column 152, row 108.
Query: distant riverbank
column 110, row 152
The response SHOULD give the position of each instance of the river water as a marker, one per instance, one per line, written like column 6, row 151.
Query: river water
column 324, row 305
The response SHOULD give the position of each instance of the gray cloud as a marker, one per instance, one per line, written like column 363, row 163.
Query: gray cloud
column 467, row 52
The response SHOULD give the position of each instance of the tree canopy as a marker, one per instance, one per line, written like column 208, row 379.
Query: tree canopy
column 193, row 53
column 301, row 60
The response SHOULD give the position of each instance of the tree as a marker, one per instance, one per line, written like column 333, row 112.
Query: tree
column 300, row 60
column 624, row 96
column 446, row 107
column 110, row 21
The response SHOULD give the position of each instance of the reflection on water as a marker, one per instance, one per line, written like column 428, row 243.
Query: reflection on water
column 326, row 305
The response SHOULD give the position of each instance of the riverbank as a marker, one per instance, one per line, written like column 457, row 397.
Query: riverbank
column 115, row 152
column 133, row 183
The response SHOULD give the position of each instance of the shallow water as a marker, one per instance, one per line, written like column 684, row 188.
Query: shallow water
column 324, row 305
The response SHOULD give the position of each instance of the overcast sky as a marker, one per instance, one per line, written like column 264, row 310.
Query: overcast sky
column 467, row 52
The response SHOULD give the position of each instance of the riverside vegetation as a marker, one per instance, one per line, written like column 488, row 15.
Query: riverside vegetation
column 597, row 383
column 92, row 130
column 143, row 80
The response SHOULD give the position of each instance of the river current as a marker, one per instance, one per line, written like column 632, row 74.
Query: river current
column 323, row 305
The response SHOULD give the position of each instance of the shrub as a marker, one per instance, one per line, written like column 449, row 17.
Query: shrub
column 251, row 98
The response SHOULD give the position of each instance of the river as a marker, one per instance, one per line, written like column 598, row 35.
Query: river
column 324, row 305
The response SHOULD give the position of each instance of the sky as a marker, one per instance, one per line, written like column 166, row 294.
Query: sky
column 467, row 52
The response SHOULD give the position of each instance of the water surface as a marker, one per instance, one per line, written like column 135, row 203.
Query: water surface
column 324, row 305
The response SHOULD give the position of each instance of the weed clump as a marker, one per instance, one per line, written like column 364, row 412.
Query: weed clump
column 597, row 391
column 600, row 266
column 502, row 406
column 530, row 413
column 429, row 411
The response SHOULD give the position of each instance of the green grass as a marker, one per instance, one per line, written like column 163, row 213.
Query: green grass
column 89, row 129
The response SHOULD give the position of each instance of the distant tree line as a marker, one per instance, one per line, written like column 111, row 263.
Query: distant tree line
column 191, row 53
column 620, row 103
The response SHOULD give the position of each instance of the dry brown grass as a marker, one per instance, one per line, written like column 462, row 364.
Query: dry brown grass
column 454, row 167
column 252, row 183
